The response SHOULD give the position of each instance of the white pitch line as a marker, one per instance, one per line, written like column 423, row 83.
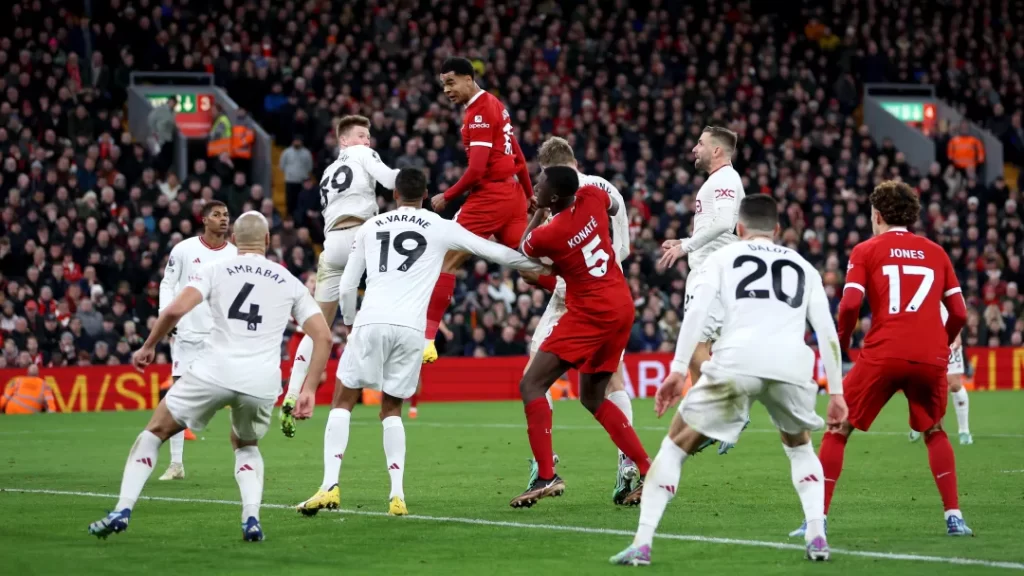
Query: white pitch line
column 573, row 529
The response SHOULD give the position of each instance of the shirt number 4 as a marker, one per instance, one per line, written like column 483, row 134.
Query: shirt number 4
column 595, row 257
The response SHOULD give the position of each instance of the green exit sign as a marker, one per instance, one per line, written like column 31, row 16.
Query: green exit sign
column 910, row 111
column 186, row 102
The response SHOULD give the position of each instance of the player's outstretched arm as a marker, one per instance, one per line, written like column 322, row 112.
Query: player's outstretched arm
column 461, row 240
column 820, row 318
column 477, row 167
column 380, row 171
column 187, row 299
column 524, row 169
column 349, row 284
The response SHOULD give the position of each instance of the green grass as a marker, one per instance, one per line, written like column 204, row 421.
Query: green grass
column 466, row 461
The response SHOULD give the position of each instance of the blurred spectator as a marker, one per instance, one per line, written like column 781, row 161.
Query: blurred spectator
column 297, row 164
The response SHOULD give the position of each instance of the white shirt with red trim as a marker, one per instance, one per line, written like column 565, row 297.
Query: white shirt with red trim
column 715, row 214
column 186, row 259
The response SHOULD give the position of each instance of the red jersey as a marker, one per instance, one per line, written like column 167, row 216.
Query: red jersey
column 905, row 278
column 486, row 124
column 578, row 242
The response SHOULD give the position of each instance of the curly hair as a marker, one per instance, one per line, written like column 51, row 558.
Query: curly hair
column 897, row 203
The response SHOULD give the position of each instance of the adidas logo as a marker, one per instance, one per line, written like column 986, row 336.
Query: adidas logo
column 300, row 358
column 146, row 461
column 196, row 261
column 339, row 456
column 669, row 489
column 244, row 468
column 394, row 466
column 811, row 478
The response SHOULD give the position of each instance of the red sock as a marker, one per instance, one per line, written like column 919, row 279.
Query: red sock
column 439, row 300
column 831, row 455
column 623, row 434
column 943, row 465
column 538, row 428
column 414, row 400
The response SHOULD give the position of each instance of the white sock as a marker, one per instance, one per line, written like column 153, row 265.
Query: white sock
column 551, row 401
column 394, row 452
column 141, row 460
column 962, row 406
column 249, row 475
column 809, row 481
column 659, row 489
column 621, row 401
column 335, row 443
column 177, row 444
column 300, row 365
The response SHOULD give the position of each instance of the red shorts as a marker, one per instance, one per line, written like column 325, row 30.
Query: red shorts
column 872, row 382
column 496, row 209
column 591, row 347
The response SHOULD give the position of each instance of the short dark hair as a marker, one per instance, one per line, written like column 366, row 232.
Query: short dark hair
column 725, row 137
column 209, row 206
column 411, row 184
column 346, row 123
column 458, row 65
column 897, row 203
column 759, row 212
column 563, row 179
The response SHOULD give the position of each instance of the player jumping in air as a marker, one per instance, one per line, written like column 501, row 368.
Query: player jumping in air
column 348, row 198
column 251, row 300
column 402, row 253
column 955, row 378
column 187, row 257
column 768, row 294
column 497, row 180
column 714, row 226
column 557, row 152
column 592, row 334
column 906, row 278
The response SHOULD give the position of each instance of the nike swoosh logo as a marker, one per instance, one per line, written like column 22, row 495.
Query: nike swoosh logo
column 943, row 474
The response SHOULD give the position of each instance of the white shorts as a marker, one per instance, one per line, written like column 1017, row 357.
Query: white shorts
column 716, row 314
column 333, row 259
column 183, row 353
column 552, row 314
column 383, row 357
column 193, row 404
column 956, row 362
column 719, row 404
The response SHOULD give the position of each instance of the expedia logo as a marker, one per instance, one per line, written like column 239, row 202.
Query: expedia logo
column 472, row 126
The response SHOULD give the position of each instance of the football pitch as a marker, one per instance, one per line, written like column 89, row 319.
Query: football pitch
column 465, row 462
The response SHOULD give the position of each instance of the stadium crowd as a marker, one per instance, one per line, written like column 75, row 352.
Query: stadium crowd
column 87, row 220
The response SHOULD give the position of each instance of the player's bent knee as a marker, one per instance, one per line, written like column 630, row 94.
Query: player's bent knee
column 162, row 424
column 794, row 440
column 936, row 428
column 955, row 383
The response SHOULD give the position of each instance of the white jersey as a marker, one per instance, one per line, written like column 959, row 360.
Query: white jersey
column 251, row 300
column 768, row 294
column 348, row 186
column 619, row 224
column 717, row 210
column 402, row 252
column 187, row 257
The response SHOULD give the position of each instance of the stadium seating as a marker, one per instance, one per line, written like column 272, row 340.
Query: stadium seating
column 87, row 222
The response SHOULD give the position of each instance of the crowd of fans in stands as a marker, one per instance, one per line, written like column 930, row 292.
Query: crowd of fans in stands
column 87, row 223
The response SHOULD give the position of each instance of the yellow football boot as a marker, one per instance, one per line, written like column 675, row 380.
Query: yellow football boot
column 397, row 507
column 430, row 353
column 322, row 500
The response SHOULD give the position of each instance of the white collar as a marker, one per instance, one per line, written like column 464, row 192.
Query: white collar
column 475, row 96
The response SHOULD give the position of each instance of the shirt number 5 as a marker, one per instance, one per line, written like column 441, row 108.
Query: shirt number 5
column 596, row 258
column 508, row 137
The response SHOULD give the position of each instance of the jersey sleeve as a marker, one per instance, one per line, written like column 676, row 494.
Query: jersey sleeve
column 377, row 169
column 951, row 284
column 303, row 305
column 706, row 288
column 203, row 280
column 857, row 269
column 482, row 127
column 461, row 240
column 349, row 284
column 172, row 274
column 540, row 242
